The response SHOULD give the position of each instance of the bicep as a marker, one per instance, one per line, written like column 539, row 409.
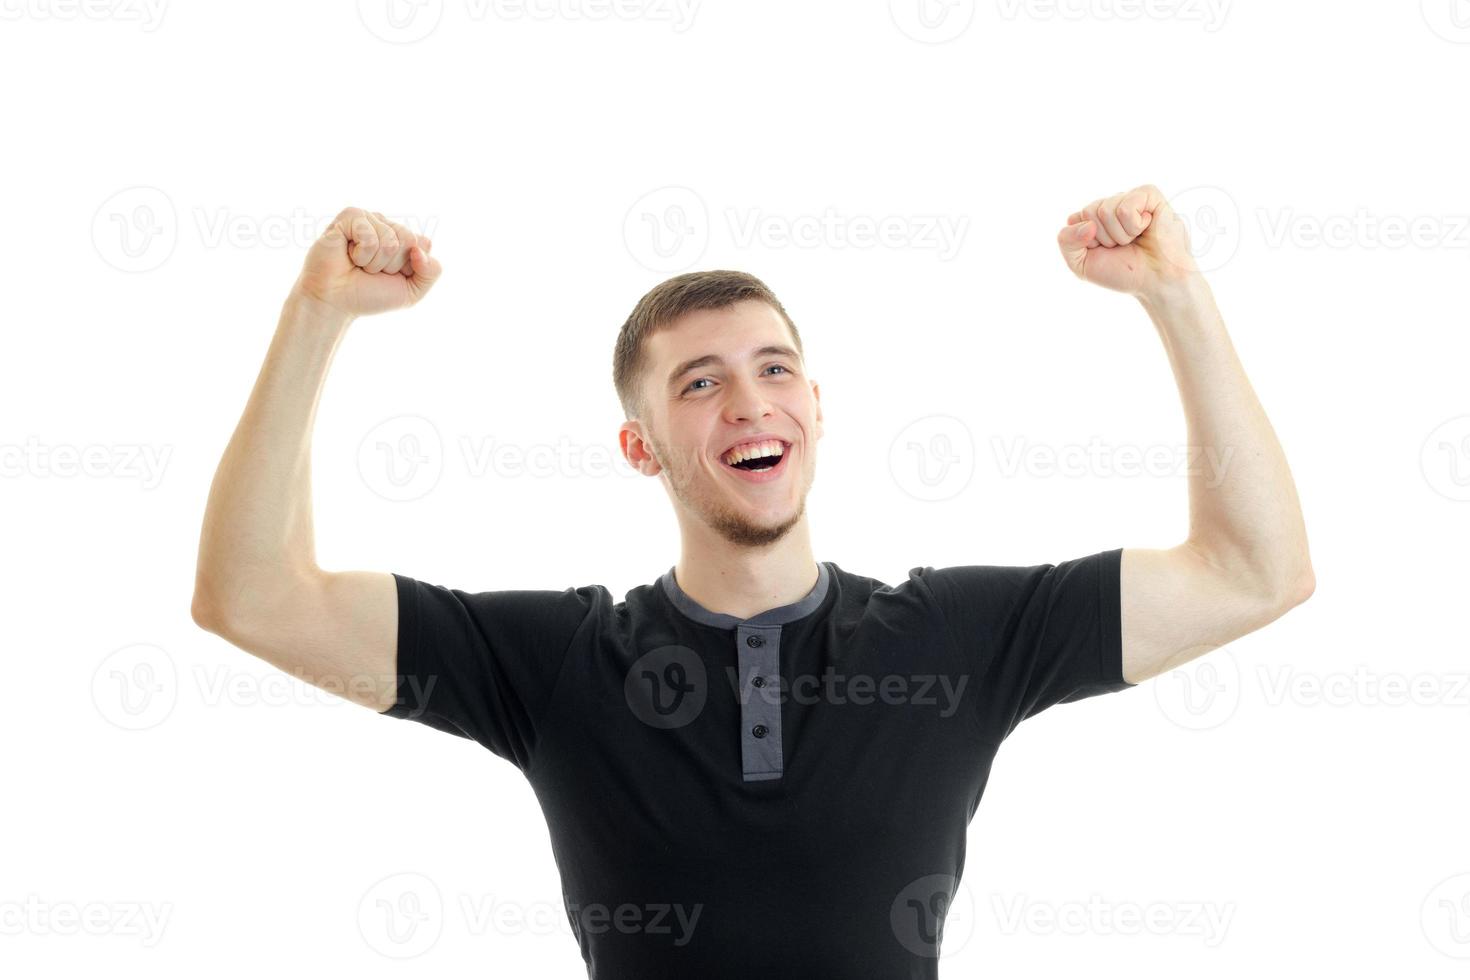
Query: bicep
column 335, row 630
column 1178, row 605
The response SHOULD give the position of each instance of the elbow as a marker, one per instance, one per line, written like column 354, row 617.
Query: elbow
column 1288, row 590
column 230, row 607
column 1305, row 586
column 204, row 606
column 1278, row 582
column 1301, row 581
column 206, row 609
column 220, row 620
column 204, row 613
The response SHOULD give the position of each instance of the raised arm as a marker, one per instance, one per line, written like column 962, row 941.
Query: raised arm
column 1245, row 560
column 257, row 582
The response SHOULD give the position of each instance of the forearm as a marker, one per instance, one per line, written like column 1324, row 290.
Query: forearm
column 257, row 535
column 1244, row 514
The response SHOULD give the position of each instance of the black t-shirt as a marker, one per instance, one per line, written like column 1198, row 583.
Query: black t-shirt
column 781, row 796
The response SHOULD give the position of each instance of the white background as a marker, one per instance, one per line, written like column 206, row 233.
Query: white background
column 167, row 167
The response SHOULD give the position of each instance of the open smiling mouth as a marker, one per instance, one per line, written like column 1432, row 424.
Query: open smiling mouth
column 761, row 469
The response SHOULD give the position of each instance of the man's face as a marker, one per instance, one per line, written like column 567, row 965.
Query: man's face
column 696, row 413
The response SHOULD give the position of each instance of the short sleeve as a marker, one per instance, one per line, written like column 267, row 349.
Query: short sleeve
column 484, row 665
column 1038, row 635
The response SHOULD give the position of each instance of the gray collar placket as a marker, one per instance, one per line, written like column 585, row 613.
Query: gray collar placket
column 758, row 654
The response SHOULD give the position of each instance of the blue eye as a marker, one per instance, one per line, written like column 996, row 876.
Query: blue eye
column 690, row 386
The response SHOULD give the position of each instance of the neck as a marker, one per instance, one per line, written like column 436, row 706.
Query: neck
column 746, row 581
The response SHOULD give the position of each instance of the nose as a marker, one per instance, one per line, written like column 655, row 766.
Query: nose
column 745, row 400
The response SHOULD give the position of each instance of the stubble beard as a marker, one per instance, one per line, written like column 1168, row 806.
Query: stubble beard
column 728, row 522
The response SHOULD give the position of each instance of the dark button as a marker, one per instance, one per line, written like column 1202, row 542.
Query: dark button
column 759, row 682
column 754, row 640
column 759, row 731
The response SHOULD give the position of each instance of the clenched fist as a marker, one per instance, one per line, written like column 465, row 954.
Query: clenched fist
column 1132, row 242
column 364, row 264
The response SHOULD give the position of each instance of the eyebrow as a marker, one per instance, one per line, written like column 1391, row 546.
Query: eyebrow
column 770, row 350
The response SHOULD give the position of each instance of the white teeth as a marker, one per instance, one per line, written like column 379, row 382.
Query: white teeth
column 770, row 448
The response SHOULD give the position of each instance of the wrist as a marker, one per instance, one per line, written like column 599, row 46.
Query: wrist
column 301, row 305
column 1187, row 293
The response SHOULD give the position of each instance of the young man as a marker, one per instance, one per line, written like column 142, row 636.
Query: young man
column 759, row 764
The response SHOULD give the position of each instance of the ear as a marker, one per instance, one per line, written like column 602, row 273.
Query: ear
column 635, row 448
column 817, row 394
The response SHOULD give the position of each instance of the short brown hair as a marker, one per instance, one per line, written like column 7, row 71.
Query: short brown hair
column 664, row 304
